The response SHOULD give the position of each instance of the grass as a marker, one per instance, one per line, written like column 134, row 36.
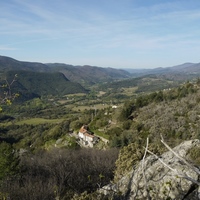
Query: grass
column 93, row 107
column 101, row 134
column 75, row 95
column 36, row 121
column 129, row 91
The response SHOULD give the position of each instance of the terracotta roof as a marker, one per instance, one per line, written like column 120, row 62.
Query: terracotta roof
column 83, row 129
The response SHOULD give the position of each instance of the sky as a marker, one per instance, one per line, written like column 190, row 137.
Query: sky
column 105, row 33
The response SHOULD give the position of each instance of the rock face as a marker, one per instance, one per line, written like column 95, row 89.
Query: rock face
column 163, row 177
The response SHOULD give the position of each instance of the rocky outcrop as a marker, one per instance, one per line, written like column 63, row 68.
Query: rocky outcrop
column 163, row 177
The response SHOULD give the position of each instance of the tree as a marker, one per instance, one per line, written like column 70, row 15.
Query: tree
column 127, row 110
column 8, row 160
column 6, row 95
column 60, row 173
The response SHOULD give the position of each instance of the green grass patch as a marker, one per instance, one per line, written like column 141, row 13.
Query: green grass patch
column 93, row 107
column 101, row 134
column 36, row 121
column 75, row 95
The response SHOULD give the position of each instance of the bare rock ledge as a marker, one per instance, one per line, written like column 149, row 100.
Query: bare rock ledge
column 161, row 181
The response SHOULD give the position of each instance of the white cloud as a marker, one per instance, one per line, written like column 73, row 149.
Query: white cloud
column 5, row 48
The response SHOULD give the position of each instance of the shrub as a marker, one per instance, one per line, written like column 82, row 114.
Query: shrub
column 8, row 160
column 193, row 155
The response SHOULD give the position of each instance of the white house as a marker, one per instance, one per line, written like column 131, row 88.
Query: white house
column 87, row 138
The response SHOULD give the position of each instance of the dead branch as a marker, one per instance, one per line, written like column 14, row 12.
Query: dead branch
column 181, row 175
column 179, row 157
column 143, row 170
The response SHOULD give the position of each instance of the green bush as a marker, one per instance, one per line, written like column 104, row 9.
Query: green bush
column 8, row 161
column 194, row 155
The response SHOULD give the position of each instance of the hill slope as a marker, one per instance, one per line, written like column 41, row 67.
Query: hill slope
column 41, row 83
column 82, row 74
column 182, row 69
column 8, row 64
column 89, row 74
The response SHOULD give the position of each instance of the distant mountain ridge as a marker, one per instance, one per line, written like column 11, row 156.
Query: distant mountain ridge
column 149, row 80
column 185, row 68
column 8, row 64
column 60, row 78
column 35, row 79
column 85, row 74
column 190, row 68
column 88, row 75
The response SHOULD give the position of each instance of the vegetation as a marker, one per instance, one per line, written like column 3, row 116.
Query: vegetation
column 193, row 156
column 52, row 174
column 38, row 134
column 41, row 83
column 8, row 160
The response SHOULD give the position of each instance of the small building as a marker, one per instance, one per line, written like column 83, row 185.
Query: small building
column 86, row 137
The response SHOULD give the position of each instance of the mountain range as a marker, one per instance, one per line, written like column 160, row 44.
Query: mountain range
column 60, row 79
column 82, row 74
column 185, row 68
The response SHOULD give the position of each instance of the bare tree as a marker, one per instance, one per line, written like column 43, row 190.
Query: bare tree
column 7, row 95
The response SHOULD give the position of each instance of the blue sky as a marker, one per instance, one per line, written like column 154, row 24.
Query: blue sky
column 105, row 33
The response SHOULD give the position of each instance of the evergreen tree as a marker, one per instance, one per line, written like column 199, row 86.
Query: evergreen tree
column 8, row 160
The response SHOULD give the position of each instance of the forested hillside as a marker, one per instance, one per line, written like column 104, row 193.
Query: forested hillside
column 85, row 75
column 30, row 84
column 89, row 75
column 9, row 64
